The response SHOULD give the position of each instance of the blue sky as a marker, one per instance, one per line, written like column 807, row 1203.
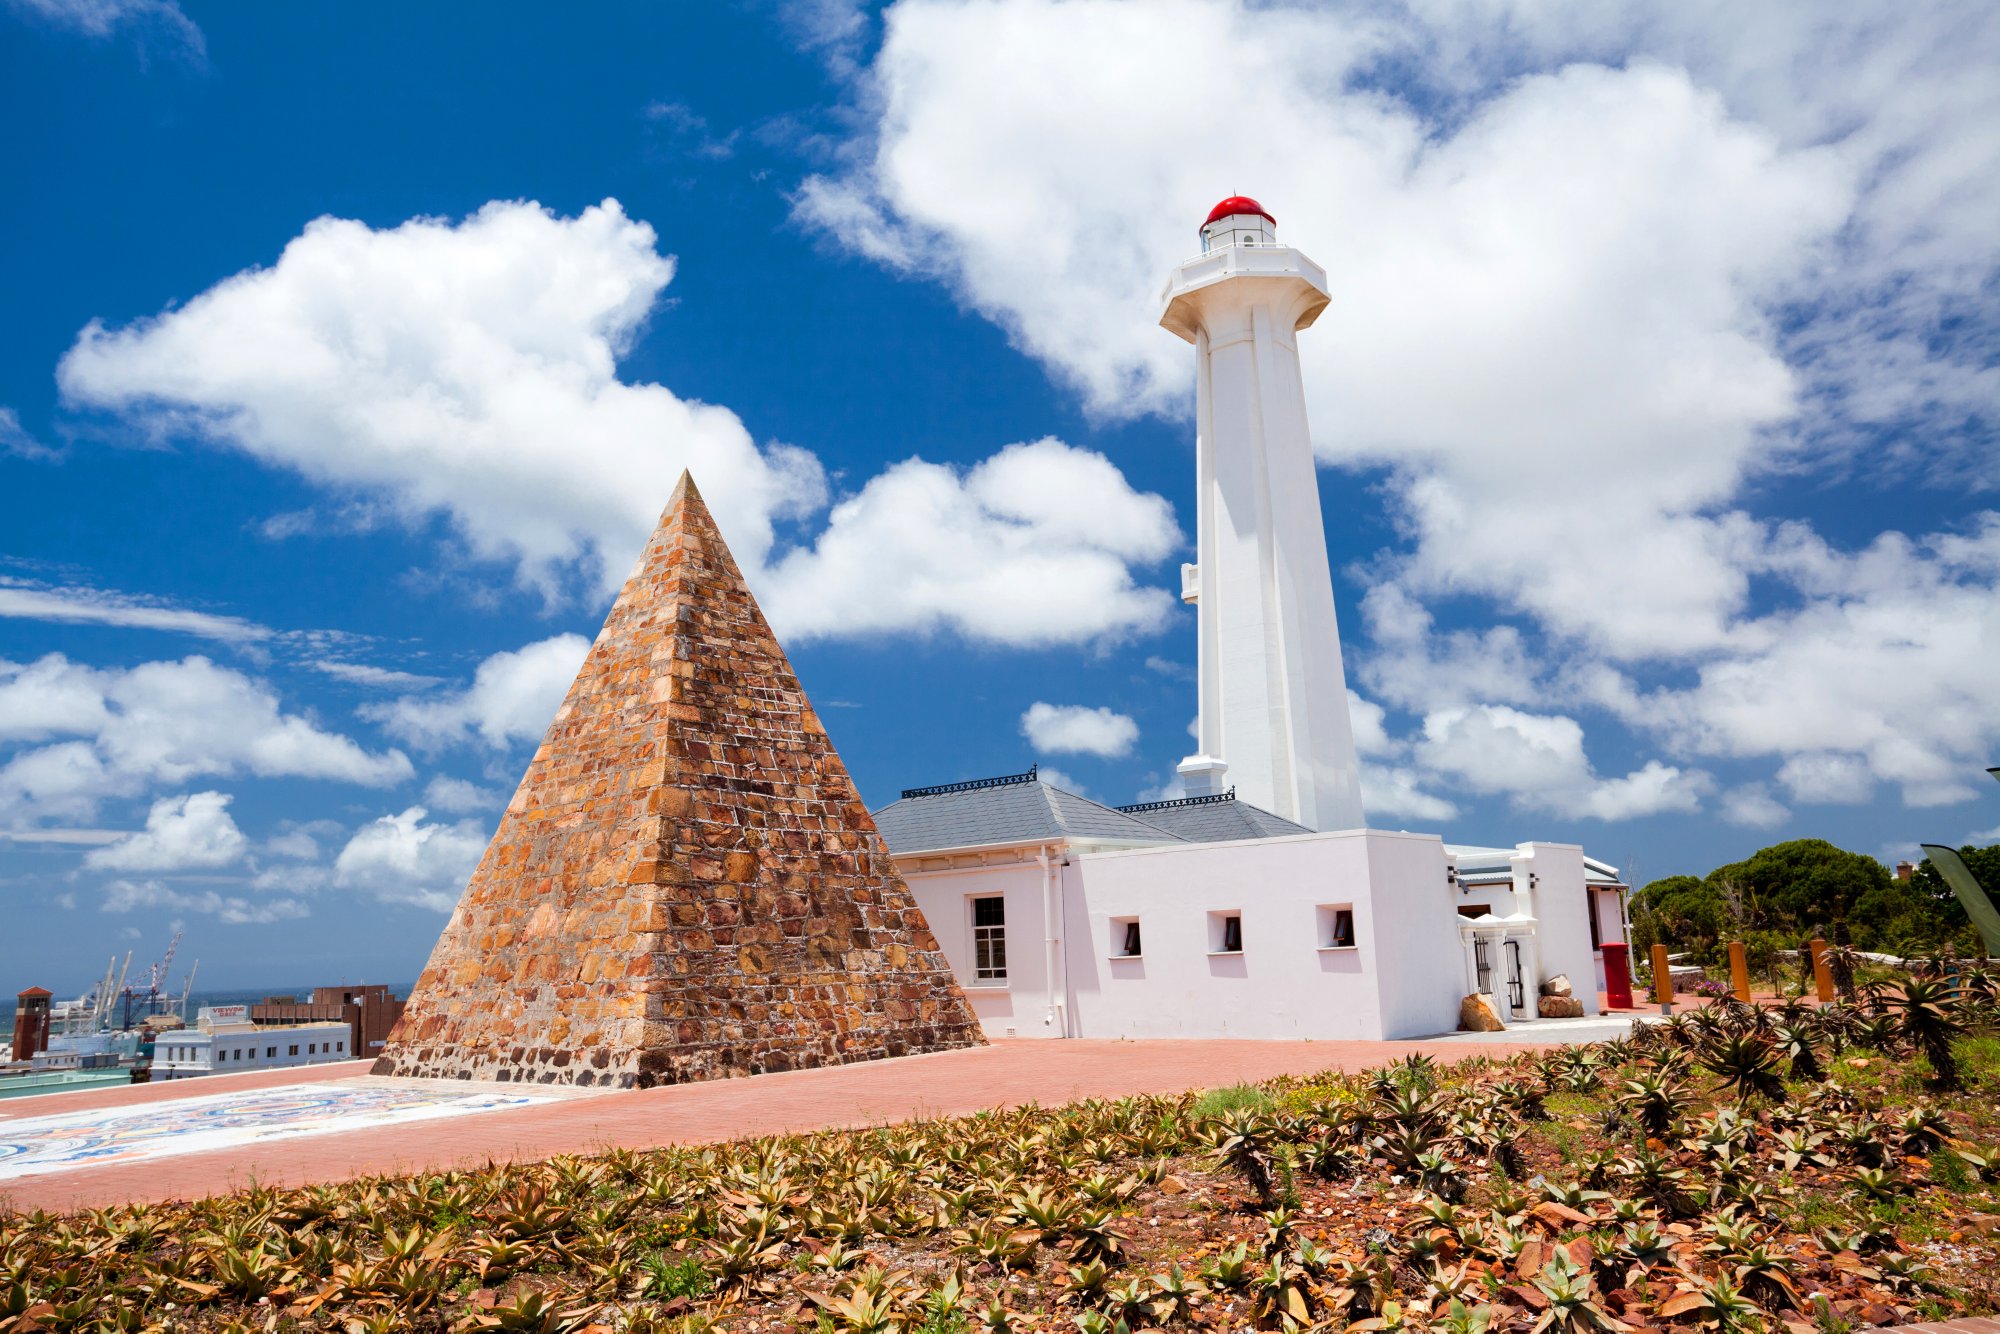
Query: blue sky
column 348, row 357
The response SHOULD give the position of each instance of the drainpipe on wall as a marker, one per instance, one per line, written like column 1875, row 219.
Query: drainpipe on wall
column 1058, row 1012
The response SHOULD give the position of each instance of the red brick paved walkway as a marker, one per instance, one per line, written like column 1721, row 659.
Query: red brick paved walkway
column 1967, row 1325
column 944, row 1084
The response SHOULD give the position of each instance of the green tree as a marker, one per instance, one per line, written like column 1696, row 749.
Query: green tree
column 1783, row 894
column 1809, row 882
column 1683, row 913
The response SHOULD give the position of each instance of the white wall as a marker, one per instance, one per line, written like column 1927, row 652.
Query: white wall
column 317, row 1043
column 1283, row 985
column 1562, row 900
column 1417, row 913
column 1022, row 1007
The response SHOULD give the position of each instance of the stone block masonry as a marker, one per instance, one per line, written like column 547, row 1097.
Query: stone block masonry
column 686, row 885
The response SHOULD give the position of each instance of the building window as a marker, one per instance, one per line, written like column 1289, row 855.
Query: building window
column 1225, row 933
column 1474, row 910
column 270, row 1051
column 1590, row 908
column 1336, row 926
column 312, row 1049
column 1125, row 939
column 340, row 1046
column 989, row 939
column 295, row 1049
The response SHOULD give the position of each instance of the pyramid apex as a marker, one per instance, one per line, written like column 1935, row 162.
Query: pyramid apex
column 684, row 491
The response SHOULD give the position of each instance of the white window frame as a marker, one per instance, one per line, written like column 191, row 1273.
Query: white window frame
column 1329, row 920
column 1218, row 931
column 987, row 974
column 1121, row 927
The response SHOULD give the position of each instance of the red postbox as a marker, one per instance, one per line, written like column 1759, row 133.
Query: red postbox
column 1617, row 977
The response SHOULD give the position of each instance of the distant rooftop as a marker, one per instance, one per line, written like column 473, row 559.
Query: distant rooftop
column 1478, row 864
column 1021, row 808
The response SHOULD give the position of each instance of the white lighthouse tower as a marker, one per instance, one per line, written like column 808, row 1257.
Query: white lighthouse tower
column 1274, row 722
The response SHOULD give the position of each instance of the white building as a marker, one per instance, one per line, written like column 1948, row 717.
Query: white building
column 1259, row 906
column 224, row 1041
column 1207, row 917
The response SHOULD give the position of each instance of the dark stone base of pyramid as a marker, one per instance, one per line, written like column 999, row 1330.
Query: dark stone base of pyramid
column 672, row 1064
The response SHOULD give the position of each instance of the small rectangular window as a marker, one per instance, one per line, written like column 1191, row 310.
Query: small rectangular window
column 1336, row 927
column 295, row 1049
column 1225, row 932
column 270, row 1051
column 312, row 1049
column 989, row 939
column 1132, row 936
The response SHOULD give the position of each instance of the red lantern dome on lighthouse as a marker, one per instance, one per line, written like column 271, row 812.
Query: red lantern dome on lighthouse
column 1237, row 204
column 1238, row 220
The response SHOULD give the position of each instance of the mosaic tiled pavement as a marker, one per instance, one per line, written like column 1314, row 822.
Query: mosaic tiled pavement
column 105, row 1135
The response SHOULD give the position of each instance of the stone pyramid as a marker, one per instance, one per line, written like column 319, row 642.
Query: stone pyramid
column 686, row 885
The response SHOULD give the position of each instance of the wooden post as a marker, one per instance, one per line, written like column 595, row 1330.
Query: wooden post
column 1739, row 970
column 1663, row 980
column 1822, row 971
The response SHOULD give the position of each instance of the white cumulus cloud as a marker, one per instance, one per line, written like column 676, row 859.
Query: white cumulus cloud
column 1753, row 807
column 185, row 833
column 1538, row 761
column 1035, row 545
column 1078, row 729
column 513, row 696
column 467, row 370
column 156, row 723
column 459, row 796
column 405, row 858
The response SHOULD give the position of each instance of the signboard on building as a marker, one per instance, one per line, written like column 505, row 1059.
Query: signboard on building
column 221, row 1016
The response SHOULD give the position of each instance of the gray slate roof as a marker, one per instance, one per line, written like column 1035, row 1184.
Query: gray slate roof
column 1031, row 811
column 1024, row 812
column 1218, row 821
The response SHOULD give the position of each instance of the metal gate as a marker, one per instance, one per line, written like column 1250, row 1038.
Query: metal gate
column 1517, row 992
column 1483, row 962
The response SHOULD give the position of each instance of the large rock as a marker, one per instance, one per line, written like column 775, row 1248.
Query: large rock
column 1478, row 1014
column 1557, row 986
column 686, row 885
column 1561, row 1007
